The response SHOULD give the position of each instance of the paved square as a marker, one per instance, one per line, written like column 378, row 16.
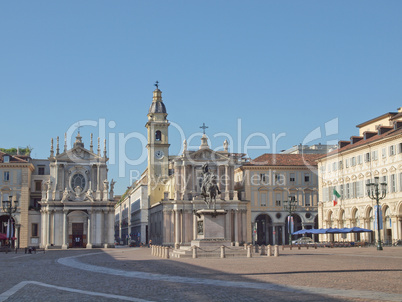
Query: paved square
column 337, row 274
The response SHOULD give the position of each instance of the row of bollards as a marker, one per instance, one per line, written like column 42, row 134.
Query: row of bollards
column 265, row 250
column 160, row 251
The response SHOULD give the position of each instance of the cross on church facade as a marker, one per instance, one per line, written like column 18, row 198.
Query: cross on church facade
column 203, row 127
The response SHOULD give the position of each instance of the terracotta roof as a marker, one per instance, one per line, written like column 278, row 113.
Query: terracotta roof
column 363, row 142
column 13, row 158
column 269, row 159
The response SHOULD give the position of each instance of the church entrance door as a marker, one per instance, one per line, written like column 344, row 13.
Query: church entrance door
column 78, row 232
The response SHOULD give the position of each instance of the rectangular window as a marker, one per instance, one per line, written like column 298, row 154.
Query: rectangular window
column 38, row 185
column 391, row 150
column 6, row 159
column 34, row 228
column 342, row 191
column 278, row 199
column 393, row 183
column 347, row 191
column 340, row 165
column 384, row 153
column 263, row 179
column 374, row 155
column 306, row 177
column 292, row 177
column 359, row 160
column 6, row 176
column 263, row 199
column 353, row 161
column 334, row 168
column 385, row 180
column 347, row 163
column 41, row 170
column 307, row 199
column 367, row 157
column 400, row 148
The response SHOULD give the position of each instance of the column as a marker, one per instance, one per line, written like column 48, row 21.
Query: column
column 48, row 225
column 177, row 229
column 227, row 182
column 186, row 183
column 89, row 233
column 64, row 246
column 110, row 237
column 195, row 231
column 177, row 177
column 43, row 228
column 236, row 227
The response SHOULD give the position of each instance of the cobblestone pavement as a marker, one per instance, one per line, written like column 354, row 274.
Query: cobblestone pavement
column 132, row 274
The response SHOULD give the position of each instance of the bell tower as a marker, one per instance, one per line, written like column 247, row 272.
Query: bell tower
column 158, row 147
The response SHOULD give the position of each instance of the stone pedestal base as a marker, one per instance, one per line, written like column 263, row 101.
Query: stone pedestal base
column 64, row 247
column 89, row 245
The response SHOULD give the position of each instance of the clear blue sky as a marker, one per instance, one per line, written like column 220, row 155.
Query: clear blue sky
column 281, row 67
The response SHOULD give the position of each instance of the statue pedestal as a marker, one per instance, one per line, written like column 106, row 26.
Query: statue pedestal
column 210, row 228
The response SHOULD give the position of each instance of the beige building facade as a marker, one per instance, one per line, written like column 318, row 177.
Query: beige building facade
column 15, row 181
column 271, row 179
column 376, row 152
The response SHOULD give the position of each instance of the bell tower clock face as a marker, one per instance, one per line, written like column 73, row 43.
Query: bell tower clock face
column 159, row 154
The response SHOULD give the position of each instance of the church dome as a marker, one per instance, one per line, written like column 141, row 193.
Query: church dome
column 157, row 107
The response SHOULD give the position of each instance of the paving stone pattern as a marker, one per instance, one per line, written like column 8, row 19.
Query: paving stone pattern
column 133, row 274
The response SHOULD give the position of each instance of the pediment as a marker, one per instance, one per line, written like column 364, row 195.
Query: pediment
column 77, row 154
column 206, row 155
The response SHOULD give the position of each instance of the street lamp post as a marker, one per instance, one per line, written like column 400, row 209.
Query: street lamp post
column 290, row 206
column 10, row 209
column 376, row 194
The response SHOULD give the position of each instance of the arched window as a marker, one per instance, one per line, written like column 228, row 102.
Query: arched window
column 158, row 135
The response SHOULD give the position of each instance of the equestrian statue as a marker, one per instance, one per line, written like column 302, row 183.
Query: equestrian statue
column 209, row 188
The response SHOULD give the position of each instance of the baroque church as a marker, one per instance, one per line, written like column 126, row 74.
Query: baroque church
column 77, row 204
column 175, row 186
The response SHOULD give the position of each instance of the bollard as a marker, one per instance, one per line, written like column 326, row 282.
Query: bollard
column 307, row 246
column 276, row 251
column 298, row 246
column 223, row 255
column 290, row 247
column 269, row 251
column 257, row 248
column 262, row 252
column 167, row 252
column 194, row 251
column 249, row 252
column 315, row 246
column 160, row 251
column 283, row 247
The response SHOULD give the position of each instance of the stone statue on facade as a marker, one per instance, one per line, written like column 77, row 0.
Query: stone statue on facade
column 209, row 187
column 111, row 193
column 66, row 195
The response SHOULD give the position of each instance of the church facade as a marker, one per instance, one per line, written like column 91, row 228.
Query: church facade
column 175, row 186
column 77, row 203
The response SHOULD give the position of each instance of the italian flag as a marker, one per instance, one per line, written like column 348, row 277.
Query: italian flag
column 336, row 196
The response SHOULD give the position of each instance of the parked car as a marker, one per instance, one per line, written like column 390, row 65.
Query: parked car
column 303, row 240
